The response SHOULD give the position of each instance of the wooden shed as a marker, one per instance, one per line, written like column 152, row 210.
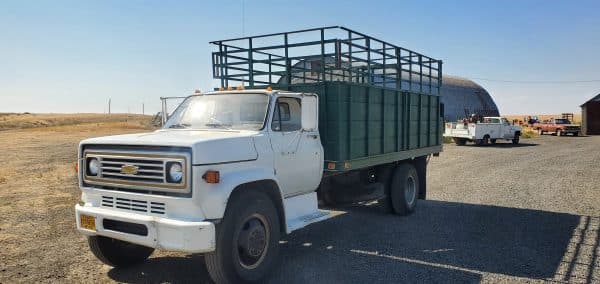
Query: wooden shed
column 590, row 116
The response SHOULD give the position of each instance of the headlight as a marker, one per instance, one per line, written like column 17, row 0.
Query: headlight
column 175, row 172
column 93, row 167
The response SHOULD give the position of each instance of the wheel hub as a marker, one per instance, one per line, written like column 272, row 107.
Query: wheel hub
column 252, row 242
column 410, row 190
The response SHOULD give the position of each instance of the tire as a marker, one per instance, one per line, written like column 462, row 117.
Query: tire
column 247, row 240
column 484, row 141
column 558, row 133
column 575, row 133
column 460, row 141
column 118, row 253
column 493, row 141
column 515, row 139
column 540, row 132
column 404, row 189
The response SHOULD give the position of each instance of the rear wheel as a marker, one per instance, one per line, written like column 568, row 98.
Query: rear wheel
column 118, row 253
column 575, row 133
column 558, row 132
column 247, row 240
column 404, row 189
column 484, row 141
column 493, row 141
column 540, row 131
column 460, row 141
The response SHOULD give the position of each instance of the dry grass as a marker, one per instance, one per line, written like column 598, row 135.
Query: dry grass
column 527, row 132
column 27, row 120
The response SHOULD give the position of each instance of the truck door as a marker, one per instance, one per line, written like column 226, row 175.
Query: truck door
column 297, row 154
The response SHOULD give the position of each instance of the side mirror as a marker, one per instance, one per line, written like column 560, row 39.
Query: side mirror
column 310, row 112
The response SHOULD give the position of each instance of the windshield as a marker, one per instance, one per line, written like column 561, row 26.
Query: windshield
column 224, row 111
column 562, row 121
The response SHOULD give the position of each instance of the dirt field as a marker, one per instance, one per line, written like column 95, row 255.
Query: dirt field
column 494, row 214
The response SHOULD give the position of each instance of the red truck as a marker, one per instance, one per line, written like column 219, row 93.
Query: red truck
column 557, row 126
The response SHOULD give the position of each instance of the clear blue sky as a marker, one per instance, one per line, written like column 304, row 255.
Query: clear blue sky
column 71, row 56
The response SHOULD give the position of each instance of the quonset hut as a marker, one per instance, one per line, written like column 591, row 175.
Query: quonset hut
column 462, row 97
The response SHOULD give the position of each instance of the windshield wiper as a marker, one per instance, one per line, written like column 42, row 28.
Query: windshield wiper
column 180, row 125
column 219, row 125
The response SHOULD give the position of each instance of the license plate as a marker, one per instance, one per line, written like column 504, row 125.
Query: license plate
column 87, row 222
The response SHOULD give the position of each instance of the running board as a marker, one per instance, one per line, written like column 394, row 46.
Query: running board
column 302, row 210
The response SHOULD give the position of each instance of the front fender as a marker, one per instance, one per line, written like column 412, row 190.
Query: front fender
column 215, row 197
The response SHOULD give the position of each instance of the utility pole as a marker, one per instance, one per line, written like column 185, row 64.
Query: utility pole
column 143, row 111
column 109, row 106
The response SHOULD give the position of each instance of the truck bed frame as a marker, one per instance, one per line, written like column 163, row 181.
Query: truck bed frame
column 379, row 103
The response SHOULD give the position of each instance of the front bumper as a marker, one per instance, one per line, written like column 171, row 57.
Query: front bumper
column 169, row 234
column 566, row 131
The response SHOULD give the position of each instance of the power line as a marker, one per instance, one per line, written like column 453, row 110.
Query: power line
column 537, row 82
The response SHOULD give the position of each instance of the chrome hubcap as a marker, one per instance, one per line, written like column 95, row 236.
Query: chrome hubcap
column 410, row 190
column 252, row 241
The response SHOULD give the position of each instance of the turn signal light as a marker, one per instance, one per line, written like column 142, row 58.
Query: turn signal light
column 76, row 167
column 229, row 88
column 331, row 166
column 212, row 177
column 239, row 88
column 269, row 88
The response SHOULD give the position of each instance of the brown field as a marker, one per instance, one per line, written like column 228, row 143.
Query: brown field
column 29, row 120
column 38, row 189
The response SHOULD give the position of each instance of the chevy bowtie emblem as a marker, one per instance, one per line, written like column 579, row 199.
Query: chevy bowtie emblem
column 129, row 169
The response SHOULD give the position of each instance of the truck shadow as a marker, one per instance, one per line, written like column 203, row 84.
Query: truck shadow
column 441, row 242
column 503, row 145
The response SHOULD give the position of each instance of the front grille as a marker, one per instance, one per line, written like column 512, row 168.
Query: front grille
column 148, row 170
column 137, row 171
column 134, row 205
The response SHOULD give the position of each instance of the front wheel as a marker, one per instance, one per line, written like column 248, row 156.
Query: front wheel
column 515, row 140
column 404, row 189
column 118, row 253
column 575, row 133
column 247, row 240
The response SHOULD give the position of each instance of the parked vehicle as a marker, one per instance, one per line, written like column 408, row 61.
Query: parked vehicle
column 558, row 127
column 490, row 130
column 233, row 170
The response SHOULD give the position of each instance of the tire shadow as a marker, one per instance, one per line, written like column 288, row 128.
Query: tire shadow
column 441, row 242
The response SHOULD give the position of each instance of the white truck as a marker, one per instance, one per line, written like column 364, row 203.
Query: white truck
column 233, row 170
column 485, row 132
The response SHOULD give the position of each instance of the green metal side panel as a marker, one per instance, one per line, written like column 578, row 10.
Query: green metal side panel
column 362, row 125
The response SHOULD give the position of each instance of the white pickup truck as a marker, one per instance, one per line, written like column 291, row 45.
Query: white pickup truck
column 488, row 131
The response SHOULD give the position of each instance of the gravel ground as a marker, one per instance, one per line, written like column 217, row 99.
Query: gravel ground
column 527, row 213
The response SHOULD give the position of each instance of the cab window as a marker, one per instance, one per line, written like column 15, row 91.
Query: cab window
column 286, row 116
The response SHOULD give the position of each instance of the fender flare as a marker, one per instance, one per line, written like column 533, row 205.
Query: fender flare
column 215, row 202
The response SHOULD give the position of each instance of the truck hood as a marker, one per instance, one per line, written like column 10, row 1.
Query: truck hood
column 208, row 147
